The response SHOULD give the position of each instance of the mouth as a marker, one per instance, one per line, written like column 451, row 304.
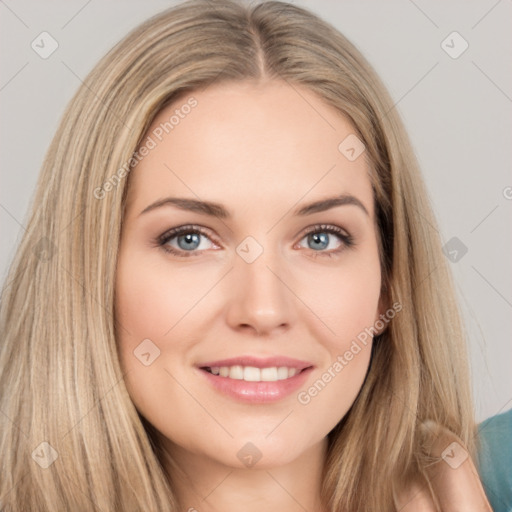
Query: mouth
column 254, row 380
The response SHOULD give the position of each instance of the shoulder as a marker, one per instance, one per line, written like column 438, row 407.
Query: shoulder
column 494, row 460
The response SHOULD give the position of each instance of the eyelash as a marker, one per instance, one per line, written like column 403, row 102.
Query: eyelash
column 161, row 241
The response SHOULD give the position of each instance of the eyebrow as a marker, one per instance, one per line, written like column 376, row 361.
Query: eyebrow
column 218, row 210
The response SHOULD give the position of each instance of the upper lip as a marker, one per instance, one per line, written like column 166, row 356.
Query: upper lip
column 258, row 362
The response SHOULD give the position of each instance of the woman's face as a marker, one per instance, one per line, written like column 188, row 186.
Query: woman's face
column 248, row 272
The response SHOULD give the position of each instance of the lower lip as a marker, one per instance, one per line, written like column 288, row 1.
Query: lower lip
column 257, row 392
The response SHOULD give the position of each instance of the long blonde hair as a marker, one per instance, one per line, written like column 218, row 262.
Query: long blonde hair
column 61, row 382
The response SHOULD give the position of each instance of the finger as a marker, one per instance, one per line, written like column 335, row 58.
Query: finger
column 414, row 498
column 453, row 475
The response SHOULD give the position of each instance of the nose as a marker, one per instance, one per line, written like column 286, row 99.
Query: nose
column 259, row 299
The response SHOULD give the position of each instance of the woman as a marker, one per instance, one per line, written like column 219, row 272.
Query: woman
column 229, row 293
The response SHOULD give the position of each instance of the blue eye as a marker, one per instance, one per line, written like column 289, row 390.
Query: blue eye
column 189, row 241
column 319, row 241
column 185, row 239
column 327, row 239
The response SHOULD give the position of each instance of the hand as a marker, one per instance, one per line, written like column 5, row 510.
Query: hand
column 453, row 476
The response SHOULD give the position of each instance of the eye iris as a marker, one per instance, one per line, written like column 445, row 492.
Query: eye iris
column 322, row 239
column 189, row 241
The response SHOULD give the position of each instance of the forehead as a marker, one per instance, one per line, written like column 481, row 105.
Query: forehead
column 249, row 144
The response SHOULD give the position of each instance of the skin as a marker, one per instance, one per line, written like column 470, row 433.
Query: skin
column 454, row 477
column 261, row 150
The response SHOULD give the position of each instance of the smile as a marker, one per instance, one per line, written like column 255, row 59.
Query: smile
column 253, row 374
column 256, row 380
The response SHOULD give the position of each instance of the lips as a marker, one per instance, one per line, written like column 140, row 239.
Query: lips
column 253, row 379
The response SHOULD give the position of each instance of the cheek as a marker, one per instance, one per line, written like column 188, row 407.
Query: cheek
column 148, row 306
column 150, row 300
column 157, row 303
column 329, row 395
column 346, row 306
column 343, row 297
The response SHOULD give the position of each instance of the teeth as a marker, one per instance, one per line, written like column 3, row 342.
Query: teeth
column 269, row 374
column 236, row 372
column 252, row 374
column 282, row 373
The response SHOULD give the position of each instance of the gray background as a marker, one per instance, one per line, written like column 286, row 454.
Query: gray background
column 457, row 111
